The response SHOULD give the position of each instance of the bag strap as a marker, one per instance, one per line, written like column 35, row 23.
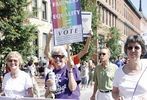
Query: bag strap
column 138, row 82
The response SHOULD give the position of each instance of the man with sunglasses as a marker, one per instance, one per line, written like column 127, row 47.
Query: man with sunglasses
column 103, row 77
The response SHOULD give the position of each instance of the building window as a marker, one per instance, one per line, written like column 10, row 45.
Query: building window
column 113, row 21
column 36, row 51
column 107, row 17
column 34, row 8
column 44, row 39
column 124, row 12
column 35, row 43
column 103, row 15
column 110, row 19
column 44, row 10
column 114, row 2
column 110, row 3
column 101, row 41
column 99, row 10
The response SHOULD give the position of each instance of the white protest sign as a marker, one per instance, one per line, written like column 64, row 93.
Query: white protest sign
column 67, row 36
column 86, row 22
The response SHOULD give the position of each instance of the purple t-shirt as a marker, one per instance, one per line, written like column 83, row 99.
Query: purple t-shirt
column 63, row 92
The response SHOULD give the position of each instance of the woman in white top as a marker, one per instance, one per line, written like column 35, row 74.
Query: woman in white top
column 130, row 80
column 16, row 83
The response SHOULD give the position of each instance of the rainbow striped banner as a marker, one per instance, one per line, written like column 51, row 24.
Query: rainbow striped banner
column 66, row 20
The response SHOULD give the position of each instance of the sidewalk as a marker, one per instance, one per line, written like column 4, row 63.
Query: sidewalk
column 41, row 82
column 86, row 93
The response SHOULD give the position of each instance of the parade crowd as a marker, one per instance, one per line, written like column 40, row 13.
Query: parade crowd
column 65, row 75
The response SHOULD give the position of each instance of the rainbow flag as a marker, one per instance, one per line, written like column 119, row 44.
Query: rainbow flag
column 65, row 13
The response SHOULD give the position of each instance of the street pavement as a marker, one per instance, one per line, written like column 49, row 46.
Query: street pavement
column 85, row 93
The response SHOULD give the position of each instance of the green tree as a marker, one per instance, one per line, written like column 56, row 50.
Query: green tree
column 113, row 42
column 88, row 5
column 18, row 33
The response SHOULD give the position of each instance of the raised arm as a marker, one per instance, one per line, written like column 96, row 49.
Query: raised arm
column 72, row 84
column 86, row 46
column 47, row 46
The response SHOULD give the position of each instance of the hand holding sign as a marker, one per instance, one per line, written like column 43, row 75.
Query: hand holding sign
column 50, row 34
column 90, row 34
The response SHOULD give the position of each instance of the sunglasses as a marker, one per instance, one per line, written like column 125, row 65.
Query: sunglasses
column 13, row 61
column 131, row 47
column 58, row 56
column 102, row 54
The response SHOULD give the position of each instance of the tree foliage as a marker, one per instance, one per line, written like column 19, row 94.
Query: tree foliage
column 88, row 5
column 113, row 42
column 18, row 33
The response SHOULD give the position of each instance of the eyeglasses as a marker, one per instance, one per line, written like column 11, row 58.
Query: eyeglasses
column 131, row 47
column 102, row 54
column 58, row 56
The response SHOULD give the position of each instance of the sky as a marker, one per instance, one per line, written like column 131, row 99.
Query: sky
column 144, row 5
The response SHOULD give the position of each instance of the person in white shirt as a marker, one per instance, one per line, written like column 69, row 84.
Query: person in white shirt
column 130, row 80
column 16, row 83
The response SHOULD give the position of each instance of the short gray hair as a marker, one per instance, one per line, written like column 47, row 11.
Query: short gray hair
column 59, row 49
column 135, row 39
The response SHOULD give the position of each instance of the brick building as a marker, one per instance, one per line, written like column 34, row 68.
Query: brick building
column 120, row 14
